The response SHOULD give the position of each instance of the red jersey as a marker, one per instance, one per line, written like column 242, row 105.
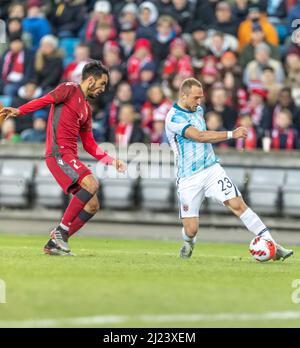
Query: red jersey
column 70, row 116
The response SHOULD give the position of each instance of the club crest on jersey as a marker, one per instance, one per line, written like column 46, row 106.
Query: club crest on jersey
column 185, row 207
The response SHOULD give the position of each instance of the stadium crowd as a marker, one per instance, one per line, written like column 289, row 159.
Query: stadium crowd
column 246, row 54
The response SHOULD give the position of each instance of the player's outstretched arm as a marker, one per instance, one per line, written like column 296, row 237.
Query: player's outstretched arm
column 31, row 106
column 90, row 146
column 214, row 136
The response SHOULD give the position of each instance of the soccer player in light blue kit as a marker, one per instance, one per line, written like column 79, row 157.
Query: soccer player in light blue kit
column 199, row 174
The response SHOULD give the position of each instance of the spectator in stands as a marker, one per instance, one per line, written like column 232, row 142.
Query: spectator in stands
column 229, row 63
column 48, row 63
column 285, row 101
column 269, row 82
column 111, row 54
column 292, row 65
column 284, row 136
column 204, row 12
column 225, row 21
column 37, row 134
column 293, row 48
column 218, row 104
column 67, row 17
column 158, row 133
column 116, row 77
column 259, row 110
column 156, row 106
column 254, row 69
column 218, row 44
column 182, row 10
column 165, row 33
column 164, row 6
column 26, row 93
column 209, row 73
column 171, row 86
column 196, row 44
column 178, row 61
column 123, row 95
column 14, row 28
column 240, row 10
column 100, row 124
column 232, row 80
column 103, row 104
column 208, row 76
column 35, row 22
column 202, row 33
column 100, row 37
column 73, row 71
column 257, row 37
column 101, row 17
column 128, row 15
column 147, row 76
column 214, row 123
column 16, row 67
column 141, row 56
column 250, row 143
column 127, row 38
column 236, row 93
column 118, row 5
column 256, row 15
column 127, row 131
column 16, row 10
column 8, row 132
column 147, row 16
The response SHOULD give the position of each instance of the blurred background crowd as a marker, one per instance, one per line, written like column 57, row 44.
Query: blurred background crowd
column 246, row 54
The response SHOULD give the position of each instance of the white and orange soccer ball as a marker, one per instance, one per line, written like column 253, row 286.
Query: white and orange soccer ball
column 262, row 249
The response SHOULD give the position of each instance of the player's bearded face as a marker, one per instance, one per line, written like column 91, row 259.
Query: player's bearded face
column 97, row 86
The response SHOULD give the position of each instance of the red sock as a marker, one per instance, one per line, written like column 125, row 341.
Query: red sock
column 81, row 219
column 74, row 208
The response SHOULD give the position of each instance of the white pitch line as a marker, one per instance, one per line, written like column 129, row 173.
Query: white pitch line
column 119, row 319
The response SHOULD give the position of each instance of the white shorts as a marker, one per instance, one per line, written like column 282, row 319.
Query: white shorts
column 211, row 182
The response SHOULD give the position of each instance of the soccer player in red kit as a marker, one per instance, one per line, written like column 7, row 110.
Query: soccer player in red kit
column 70, row 116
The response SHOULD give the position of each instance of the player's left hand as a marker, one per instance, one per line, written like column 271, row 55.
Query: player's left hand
column 119, row 165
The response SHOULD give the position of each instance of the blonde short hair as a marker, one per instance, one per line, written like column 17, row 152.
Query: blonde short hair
column 187, row 84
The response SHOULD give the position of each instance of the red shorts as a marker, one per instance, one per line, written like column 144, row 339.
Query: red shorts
column 68, row 171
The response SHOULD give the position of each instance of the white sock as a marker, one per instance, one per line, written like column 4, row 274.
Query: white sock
column 64, row 227
column 186, row 238
column 255, row 225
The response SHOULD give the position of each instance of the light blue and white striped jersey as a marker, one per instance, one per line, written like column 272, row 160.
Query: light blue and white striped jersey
column 191, row 156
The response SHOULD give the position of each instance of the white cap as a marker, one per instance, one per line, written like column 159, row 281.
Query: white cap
column 102, row 6
column 131, row 8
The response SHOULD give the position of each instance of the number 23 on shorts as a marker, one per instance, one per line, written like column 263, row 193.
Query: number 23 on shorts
column 225, row 184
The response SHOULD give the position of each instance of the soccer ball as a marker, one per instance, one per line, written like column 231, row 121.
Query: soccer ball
column 262, row 249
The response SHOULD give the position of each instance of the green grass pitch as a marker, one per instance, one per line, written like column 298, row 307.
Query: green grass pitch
column 137, row 283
